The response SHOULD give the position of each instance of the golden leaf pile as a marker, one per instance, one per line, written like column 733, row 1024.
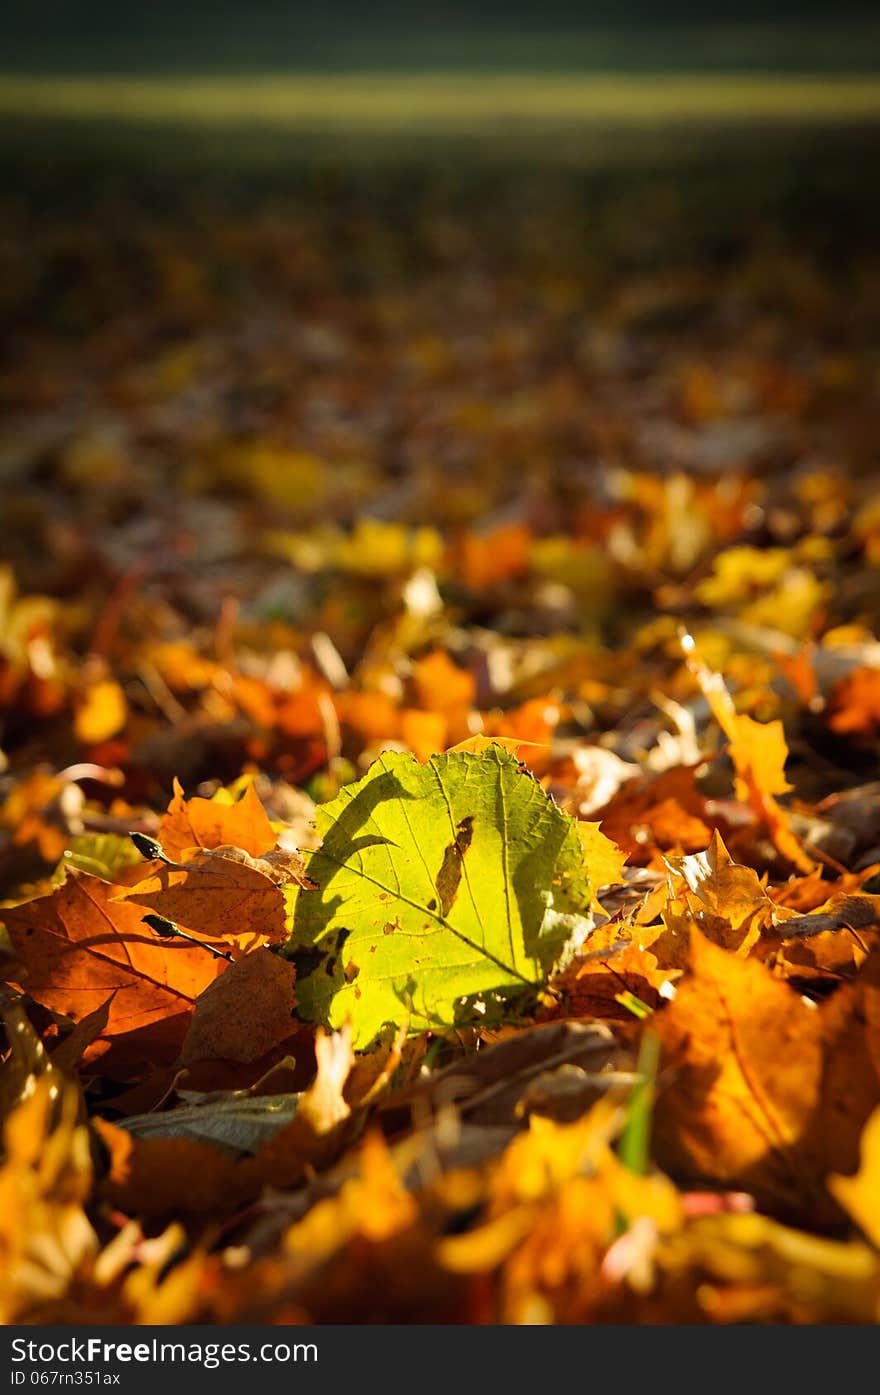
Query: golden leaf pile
column 497, row 466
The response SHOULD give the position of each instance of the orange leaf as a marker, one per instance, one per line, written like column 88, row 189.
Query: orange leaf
column 477, row 744
column 423, row 732
column 591, row 986
column 440, row 685
column 726, row 900
column 860, row 1195
column 663, row 812
column 500, row 555
column 854, row 703
column 759, row 752
column 81, row 949
column 223, row 893
column 604, row 860
column 101, row 712
column 206, row 823
column 742, row 1062
column 764, row 1091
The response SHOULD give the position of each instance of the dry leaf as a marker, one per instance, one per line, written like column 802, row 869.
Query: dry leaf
column 223, row 893
column 741, row 1075
column 208, row 823
column 724, row 900
column 860, row 1195
column 81, row 949
column 245, row 1013
column 759, row 752
column 157, row 1175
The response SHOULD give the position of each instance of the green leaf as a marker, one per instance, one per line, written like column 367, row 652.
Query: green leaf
column 101, row 854
column 442, row 889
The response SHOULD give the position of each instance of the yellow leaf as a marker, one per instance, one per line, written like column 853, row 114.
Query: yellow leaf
column 727, row 901
column 102, row 712
column 604, row 859
column 477, row 744
column 860, row 1195
column 758, row 751
column 741, row 571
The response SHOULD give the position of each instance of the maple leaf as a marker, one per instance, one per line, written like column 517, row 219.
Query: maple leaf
column 223, row 893
column 759, row 752
column 210, row 823
column 603, row 857
column 726, row 901
column 81, row 950
column 617, row 968
column 665, row 812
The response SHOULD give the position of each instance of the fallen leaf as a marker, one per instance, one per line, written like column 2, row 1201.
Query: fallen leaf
column 438, row 884
column 81, row 949
column 175, row 1171
column 46, row 1239
column 604, row 859
column 727, row 901
column 102, row 711
column 854, row 704
column 860, row 1195
column 210, row 823
column 741, row 1075
column 236, row 1124
column 26, row 1060
column 759, row 752
column 223, row 893
column 245, row 1013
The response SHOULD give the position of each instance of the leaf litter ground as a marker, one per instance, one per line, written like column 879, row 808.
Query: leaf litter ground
column 465, row 588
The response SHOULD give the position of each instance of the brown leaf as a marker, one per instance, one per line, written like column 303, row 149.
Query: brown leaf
column 666, row 811
column 80, row 948
column 154, row 1176
column 854, row 912
column 223, row 893
column 741, row 1075
column 244, row 1013
column 486, row 1086
column 68, row 1054
column 725, row 900
column 850, row 1087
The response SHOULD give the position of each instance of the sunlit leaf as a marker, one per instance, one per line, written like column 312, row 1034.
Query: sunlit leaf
column 439, row 885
